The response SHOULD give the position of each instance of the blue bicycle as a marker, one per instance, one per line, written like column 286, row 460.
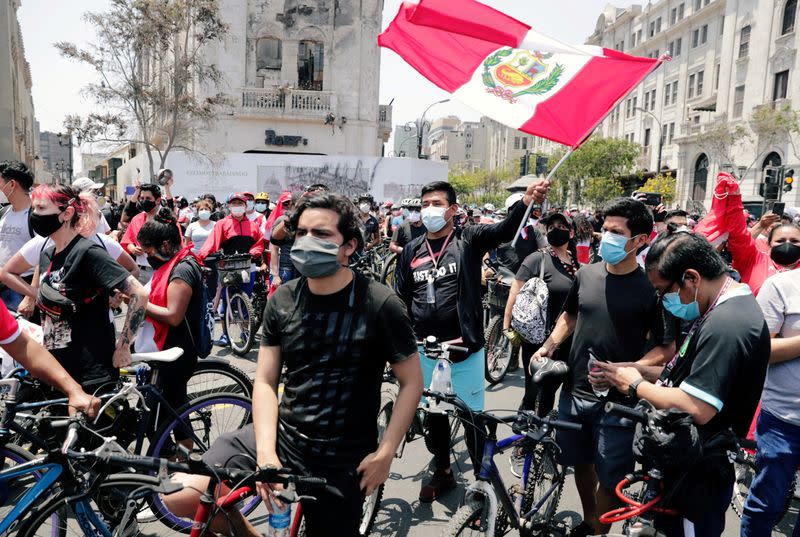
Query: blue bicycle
column 490, row 506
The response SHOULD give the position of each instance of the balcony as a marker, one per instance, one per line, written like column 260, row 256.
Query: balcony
column 284, row 102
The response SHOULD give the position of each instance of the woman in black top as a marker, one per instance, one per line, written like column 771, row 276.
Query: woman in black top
column 176, row 306
column 561, row 264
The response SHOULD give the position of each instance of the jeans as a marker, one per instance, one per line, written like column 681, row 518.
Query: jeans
column 777, row 459
column 11, row 298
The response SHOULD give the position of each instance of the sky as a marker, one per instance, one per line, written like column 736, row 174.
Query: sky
column 57, row 82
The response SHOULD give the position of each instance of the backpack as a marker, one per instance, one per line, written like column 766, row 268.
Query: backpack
column 205, row 327
column 529, row 314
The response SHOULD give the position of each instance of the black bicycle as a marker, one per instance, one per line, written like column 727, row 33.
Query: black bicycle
column 500, row 352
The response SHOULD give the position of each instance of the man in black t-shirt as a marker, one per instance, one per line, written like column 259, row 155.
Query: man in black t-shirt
column 716, row 376
column 438, row 277
column 334, row 331
column 611, row 310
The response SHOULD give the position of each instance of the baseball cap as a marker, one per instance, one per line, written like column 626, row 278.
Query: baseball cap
column 82, row 184
column 547, row 220
column 237, row 196
column 248, row 194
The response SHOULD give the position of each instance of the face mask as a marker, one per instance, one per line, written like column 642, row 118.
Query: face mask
column 251, row 205
column 204, row 214
column 364, row 208
column 45, row 225
column 146, row 205
column 433, row 218
column 157, row 261
column 315, row 258
column 414, row 216
column 406, row 213
column 261, row 207
column 785, row 253
column 238, row 210
column 557, row 237
column 612, row 248
column 3, row 197
column 687, row 312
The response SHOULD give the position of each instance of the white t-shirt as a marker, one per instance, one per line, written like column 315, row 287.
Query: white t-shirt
column 14, row 233
column 779, row 298
column 198, row 234
column 32, row 250
column 102, row 225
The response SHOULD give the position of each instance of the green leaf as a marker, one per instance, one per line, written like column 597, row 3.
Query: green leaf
column 504, row 52
column 487, row 79
column 544, row 85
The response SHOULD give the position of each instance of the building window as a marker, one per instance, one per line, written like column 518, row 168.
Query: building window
column 673, row 16
column 516, row 142
column 716, row 77
column 678, row 43
column 671, row 132
column 674, row 47
column 789, row 15
column 652, row 31
column 738, row 101
column 666, row 94
column 633, row 39
column 310, row 65
column 639, row 37
column 695, row 38
column 781, row 85
column 704, row 34
column 698, row 4
column 646, row 138
column 680, row 12
column 700, row 75
column 675, row 92
column 658, row 25
column 690, row 87
column 721, row 24
column 744, row 42
column 524, row 143
column 268, row 53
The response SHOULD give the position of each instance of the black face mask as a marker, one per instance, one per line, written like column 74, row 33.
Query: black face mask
column 146, row 205
column 557, row 237
column 784, row 254
column 45, row 225
column 156, row 261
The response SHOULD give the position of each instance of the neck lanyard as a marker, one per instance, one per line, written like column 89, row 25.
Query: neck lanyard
column 431, row 290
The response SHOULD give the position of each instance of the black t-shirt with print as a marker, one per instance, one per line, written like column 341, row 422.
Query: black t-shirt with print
column 84, row 343
column 724, row 362
column 188, row 271
column 615, row 314
column 405, row 233
column 335, row 348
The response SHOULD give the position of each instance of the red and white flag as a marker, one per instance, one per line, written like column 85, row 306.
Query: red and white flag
column 502, row 68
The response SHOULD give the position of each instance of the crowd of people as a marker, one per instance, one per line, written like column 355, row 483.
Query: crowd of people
column 642, row 303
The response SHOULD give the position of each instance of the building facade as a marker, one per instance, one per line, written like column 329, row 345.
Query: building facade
column 54, row 155
column 19, row 136
column 728, row 58
column 303, row 77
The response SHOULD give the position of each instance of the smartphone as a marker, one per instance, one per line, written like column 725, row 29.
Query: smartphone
column 593, row 360
column 778, row 207
column 652, row 198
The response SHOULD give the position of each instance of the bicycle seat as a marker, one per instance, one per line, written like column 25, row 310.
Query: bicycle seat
column 164, row 357
column 505, row 276
column 541, row 369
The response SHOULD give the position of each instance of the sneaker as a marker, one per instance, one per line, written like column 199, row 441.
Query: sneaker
column 441, row 483
column 516, row 461
column 222, row 341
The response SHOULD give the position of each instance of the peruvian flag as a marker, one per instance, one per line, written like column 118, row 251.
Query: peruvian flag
column 502, row 68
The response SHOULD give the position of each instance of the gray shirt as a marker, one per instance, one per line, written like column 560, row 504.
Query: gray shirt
column 779, row 298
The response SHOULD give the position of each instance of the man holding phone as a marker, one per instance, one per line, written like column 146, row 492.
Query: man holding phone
column 613, row 310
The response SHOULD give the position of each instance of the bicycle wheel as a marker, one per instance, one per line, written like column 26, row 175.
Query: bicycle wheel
column 387, row 274
column 372, row 503
column 13, row 489
column 467, row 521
column 239, row 320
column 110, row 501
column 545, row 474
column 745, row 473
column 498, row 351
column 214, row 376
column 202, row 421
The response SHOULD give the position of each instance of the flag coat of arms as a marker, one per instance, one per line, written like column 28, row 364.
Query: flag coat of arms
column 502, row 68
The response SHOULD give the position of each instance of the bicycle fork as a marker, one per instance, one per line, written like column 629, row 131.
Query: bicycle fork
column 485, row 490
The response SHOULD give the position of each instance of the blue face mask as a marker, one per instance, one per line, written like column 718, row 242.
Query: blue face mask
column 433, row 218
column 612, row 248
column 687, row 312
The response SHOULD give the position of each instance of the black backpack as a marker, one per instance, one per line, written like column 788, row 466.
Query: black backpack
column 201, row 333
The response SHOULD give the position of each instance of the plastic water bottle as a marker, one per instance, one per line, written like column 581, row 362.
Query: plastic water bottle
column 279, row 521
column 592, row 360
column 441, row 381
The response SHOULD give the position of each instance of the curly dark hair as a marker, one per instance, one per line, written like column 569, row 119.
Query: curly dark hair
column 14, row 170
column 349, row 224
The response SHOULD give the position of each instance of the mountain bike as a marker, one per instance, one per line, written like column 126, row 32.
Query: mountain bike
column 499, row 351
column 491, row 507
column 240, row 320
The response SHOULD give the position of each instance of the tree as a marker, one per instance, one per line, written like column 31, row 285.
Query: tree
column 666, row 185
column 156, row 86
column 464, row 181
column 598, row 190
column 606, row 158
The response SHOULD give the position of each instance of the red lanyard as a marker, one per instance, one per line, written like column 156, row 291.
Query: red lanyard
column 434, row 258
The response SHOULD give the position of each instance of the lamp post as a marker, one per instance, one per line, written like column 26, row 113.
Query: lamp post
column 421, row 126
column 660, row 136
column 66, row 140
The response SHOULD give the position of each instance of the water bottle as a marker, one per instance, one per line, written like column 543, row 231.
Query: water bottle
column 279, row 520
column 593, row 367
column 441, row 381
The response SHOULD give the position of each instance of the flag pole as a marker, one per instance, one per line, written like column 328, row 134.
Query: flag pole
column 530, row 207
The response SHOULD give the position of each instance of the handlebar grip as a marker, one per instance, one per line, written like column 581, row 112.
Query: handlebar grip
column 312, row 482
column 447, row 347
column 558, row 424
column 622, row 410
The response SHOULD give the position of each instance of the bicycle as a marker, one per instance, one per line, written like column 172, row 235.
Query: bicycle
column 491, row 507
column 499, row 350
column 240, row 320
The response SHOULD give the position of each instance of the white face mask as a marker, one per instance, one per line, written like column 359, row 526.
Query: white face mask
column 203, row 214
column 261, row 207
column 3, row 197
column 251, row 205
column 414, row 216
column 364, row 208
column 238, row 210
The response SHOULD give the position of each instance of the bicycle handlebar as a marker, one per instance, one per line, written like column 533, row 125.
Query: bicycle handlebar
column 625, row 411
column 530, row 416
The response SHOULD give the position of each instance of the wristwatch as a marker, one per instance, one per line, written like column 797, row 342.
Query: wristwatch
column 632, row 388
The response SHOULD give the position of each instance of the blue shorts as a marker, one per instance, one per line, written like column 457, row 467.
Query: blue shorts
column 605, row 440
column 467, row 376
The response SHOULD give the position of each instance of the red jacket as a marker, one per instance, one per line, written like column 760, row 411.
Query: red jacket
column 132, row 232
column 230, row 227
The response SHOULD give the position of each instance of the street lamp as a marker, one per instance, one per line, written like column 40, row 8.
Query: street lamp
column 421, row 126
column 660, row 136
column 66, row 140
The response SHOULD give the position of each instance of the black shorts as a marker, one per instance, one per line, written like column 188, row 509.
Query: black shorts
column 329, row 515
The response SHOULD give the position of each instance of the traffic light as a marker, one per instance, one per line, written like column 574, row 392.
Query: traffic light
column 770, row 188
column 541, row 165
column 788, row 179
column 523, row 165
